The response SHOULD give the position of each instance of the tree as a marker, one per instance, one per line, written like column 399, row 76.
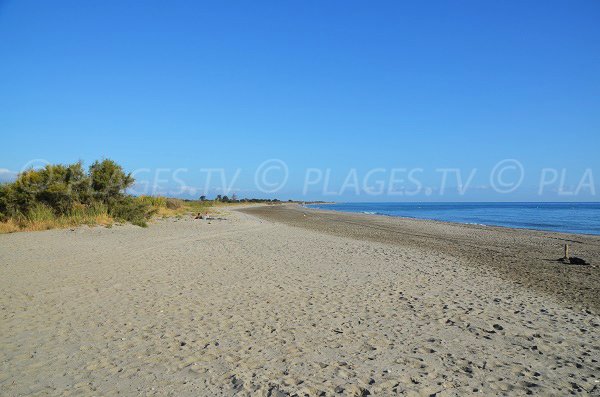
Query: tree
column 202, row 198
column 109, row 181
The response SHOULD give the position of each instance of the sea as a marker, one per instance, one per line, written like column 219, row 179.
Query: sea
column 581, row 218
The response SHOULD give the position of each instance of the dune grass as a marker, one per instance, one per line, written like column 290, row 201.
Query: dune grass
column 167, row 207
column 42, row 217
column 137, row 211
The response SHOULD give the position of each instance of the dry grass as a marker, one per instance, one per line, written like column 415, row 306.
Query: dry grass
column 9, row 226
column 168, row 207
column 42, row 217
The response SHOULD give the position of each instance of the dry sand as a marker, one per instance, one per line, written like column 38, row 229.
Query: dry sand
column 249, row 306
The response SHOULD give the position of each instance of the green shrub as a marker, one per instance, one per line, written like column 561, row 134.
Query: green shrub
column 59, row 187
column 133, row 210
column 4, row 202
column 109, row 181
column 65, row 195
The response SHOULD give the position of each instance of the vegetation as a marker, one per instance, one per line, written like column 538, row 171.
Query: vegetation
column 167, row 206
column 233, row 199
column 66, row 195
column 59, row 196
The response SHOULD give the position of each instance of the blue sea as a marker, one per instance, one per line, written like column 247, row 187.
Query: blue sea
column 558, row 217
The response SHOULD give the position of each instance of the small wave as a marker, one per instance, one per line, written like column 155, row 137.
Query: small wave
column 370, row 212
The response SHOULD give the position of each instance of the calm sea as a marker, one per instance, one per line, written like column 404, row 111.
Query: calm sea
column 559, row 217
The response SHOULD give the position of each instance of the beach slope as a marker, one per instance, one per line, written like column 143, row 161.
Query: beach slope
column 525, row 257
column 250, row 306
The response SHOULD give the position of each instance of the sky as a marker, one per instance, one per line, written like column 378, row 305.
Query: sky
column 333, row 100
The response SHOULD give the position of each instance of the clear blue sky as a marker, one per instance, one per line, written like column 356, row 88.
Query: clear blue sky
column 326, row 84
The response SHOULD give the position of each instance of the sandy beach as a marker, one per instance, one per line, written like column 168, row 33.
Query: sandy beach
column 281, row 300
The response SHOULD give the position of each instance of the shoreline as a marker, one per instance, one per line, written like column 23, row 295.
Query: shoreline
column 523, row 256
column 460, row 223
column 451, row 223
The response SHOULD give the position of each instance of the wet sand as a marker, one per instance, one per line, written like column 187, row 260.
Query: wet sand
column 272, row 302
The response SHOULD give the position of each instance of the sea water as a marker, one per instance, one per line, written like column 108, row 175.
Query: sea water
column 559, row 217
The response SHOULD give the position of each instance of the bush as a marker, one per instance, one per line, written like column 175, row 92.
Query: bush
column 164, row 206
column 4, row 202
column 65, row 195
column 109, row 181
column 59, row 187
column 134, row 210
column 173, row 204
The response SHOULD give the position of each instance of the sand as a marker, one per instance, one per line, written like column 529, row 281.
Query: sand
column 525, row 257
column 252, row 306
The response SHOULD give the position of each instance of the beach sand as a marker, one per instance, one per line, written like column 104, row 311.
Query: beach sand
column 279, row 301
